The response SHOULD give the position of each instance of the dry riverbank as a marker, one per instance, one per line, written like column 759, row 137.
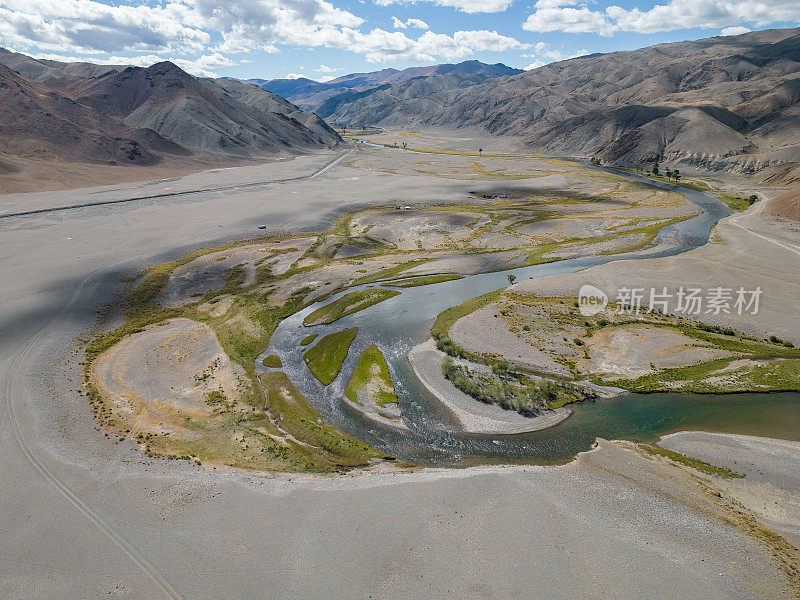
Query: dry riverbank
column 749, row 250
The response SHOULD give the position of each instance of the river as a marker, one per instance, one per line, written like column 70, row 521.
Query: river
column 398, row 324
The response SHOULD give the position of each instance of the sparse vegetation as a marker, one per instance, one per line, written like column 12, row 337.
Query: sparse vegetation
column 749, row 364
column 688, row 461
column 371, row 376
column 738, row 203
column 326, row 447
column 509, row 389
column 391, row 272
column 446, row 318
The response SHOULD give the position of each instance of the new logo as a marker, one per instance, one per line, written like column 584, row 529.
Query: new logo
column 591, row 300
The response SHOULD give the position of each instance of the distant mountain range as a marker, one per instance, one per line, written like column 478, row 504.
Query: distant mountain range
column 724, row 103
column 311, row 94
column 138, row 116
column 729, row 103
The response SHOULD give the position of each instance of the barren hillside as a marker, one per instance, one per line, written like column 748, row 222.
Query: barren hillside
column 723, row 102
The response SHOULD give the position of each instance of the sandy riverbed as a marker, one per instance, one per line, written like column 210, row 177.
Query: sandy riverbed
column 771, row 486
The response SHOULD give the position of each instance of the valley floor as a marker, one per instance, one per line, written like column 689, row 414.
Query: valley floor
column 87, row 515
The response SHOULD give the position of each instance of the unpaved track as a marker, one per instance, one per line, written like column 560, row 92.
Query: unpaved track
column 84, row 517
column 164, row 195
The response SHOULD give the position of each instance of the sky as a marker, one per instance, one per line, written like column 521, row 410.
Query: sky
column 323, row 39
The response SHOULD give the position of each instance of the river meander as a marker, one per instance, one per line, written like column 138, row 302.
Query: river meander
column 397, row 324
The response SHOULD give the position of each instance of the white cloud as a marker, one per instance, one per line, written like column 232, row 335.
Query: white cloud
column 202, row 35
column 417, row 23
column 206, row 65
column 542, row 50
column 327, row 69
column 467, row 6
column 576, row 16
column 90, row 26
column 734, row 31
column 203, row 66
column 552, row 16
column 460, row 44
column 413, row 23
column 294, row 75
column 247, row 25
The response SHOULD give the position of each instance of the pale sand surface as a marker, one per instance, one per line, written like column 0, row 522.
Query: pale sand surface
column 33, row 175
column 610, row 525
column 474, row 416
column 387, row 415
column 159, row 376
column 483, row 332
column 746, row 250
column 634, row 351
column 771, row 486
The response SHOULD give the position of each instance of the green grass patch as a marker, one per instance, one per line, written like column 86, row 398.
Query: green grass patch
column 347, row 305
column 372, row 369
column 423, row 280
column 698, row 186
column 692, row 184
column 779, row 371
column 688, row 461
column 272, row 361
column 325, row 358
column 308, row 339
column 737, row 203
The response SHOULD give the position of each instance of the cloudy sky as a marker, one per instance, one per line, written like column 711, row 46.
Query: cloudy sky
column 321, row 39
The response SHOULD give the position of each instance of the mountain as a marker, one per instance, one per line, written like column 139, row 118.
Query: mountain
column 311, row 94
column 42, row 70
column 786, row 205
column 294, row 90
column 38, row 123
column 135, row 115
column 722, row 102
column 200, row 114
column 396, row 104
column 265, row 101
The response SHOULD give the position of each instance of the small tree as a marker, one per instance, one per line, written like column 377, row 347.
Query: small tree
column 511, row 279
column 480, row 151
column 668, row 173
column 676, row 174
column 655, row 168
